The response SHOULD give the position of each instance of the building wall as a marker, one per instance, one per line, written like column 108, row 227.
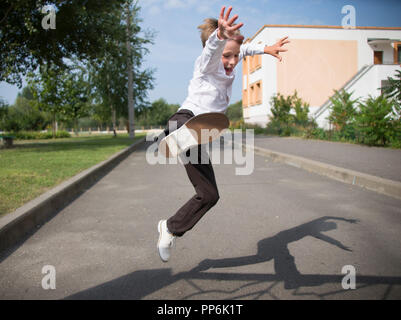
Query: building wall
column 315, row 67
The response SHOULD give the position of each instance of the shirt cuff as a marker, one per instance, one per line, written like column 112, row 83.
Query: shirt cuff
column 214, row 39
column 259, row 48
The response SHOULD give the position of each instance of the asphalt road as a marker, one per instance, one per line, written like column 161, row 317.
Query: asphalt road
column 278, row 233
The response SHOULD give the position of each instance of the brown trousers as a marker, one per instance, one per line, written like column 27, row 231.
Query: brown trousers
column 202, row 178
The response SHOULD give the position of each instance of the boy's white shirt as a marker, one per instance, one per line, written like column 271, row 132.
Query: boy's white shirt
column 210, row 88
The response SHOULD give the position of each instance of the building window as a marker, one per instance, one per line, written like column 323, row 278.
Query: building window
column 255, row 63
column 255, row 93
column 258, row 93
column 252, row 95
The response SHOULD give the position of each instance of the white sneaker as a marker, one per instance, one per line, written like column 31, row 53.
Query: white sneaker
column 166, row 241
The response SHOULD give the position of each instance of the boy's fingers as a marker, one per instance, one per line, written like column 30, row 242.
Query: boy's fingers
column 222, row 12
column 237, row 26
column 231, row 21
column 228, row 13
column 277, row 56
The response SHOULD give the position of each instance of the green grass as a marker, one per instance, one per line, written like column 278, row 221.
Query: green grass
column 31, row 168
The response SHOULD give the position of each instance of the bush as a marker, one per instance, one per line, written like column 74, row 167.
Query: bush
column 392, row 90
column 301, row 108
column 316, row 133
column 274, row 127
column 376, row 123
column 283, row 122
column 23, row 115
column 342, row 115
column 35, row 135
column 257, row 128
column 281, row 117
column 240, row 124
column 395, row 143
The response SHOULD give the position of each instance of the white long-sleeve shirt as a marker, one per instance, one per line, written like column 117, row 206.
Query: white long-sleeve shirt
column 210, row 87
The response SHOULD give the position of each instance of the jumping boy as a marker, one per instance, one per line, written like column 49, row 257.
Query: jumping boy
column 209, row 91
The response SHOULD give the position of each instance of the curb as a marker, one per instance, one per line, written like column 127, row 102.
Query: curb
column 23, row 221
column 380, row 185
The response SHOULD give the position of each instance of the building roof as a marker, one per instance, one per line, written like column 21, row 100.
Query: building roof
column 317, row 27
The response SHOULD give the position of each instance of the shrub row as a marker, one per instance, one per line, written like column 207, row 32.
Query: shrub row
column 35, row 135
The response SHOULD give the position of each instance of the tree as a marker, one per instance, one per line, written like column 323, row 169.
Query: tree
column 23, row 114
column 75, row 96
column 130, row 105
column 47, row 89
column 3, row 113
column 157, row 113
column 108, row 72
column 234, row 111
column 26, row 93
column 82, row 27
column 65, row 94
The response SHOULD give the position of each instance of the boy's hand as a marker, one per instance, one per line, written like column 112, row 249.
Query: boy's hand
column 277, row 48
column 226, row 28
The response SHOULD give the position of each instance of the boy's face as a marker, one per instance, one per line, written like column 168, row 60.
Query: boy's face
column 230, row 56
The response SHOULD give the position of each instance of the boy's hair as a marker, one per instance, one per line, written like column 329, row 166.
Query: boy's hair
column 210, row 25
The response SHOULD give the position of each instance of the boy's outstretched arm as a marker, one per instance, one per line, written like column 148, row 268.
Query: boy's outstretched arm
column 275, row 49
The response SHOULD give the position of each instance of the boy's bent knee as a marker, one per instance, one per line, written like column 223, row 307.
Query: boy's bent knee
column 211, row 198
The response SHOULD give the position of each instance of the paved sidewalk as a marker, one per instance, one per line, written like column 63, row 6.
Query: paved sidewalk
column 376, row 161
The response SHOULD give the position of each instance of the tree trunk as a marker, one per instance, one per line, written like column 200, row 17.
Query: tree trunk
column 76, row 127
column 130, row 78
column 113, row 115
column 54, row 126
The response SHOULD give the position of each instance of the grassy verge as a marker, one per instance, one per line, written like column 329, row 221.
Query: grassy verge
column 33, row 167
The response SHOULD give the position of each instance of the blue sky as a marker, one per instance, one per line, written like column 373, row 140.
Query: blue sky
column 177, row 43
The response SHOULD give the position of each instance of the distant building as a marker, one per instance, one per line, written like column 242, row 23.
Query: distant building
column 320, row 59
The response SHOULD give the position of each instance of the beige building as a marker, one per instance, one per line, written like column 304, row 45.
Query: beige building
column 320, row 59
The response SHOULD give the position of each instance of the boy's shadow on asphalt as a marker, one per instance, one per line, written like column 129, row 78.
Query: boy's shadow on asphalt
column 139, row 284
